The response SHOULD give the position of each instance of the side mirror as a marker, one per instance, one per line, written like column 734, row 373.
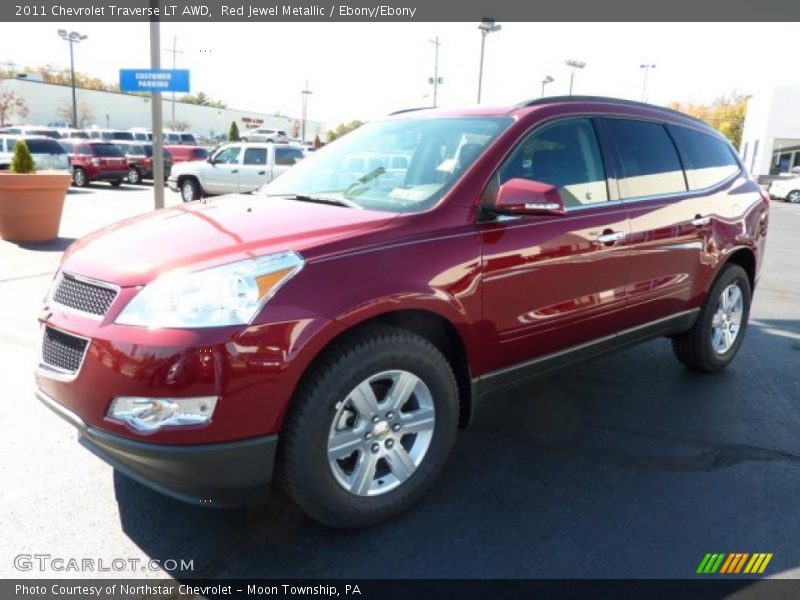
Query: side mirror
column 525, row 197
column 210, row 160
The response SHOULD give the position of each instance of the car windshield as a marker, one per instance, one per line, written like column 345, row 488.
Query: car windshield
column 403, row 165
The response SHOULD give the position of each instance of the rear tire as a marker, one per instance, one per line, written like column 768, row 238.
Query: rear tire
column 355, row 393
column 793, row 197
column 712, row 343
column 134, row 177
column 79, row 178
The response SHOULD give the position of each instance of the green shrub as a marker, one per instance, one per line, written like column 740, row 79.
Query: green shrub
column 22, row 161
column 233, row 133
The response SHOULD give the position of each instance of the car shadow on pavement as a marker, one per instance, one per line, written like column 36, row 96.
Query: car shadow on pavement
column 632, row 466
column 57, row 245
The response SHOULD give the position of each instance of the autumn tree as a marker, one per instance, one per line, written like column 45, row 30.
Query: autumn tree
column 725, row 114
column 12, row 104
column 203, row 100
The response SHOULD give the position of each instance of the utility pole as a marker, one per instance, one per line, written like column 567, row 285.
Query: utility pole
column 436, row 79
column 174, row 51
column 158, row 117
column 305, row 94
column 646, row 68
column 73, row 37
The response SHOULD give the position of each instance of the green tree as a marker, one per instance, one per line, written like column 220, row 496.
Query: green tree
column 725, row 114
column 203, row 99
column 343, row 128
column 22, row 162
column 233, row 133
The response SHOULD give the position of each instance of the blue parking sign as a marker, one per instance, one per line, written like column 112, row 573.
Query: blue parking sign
column 154, row 80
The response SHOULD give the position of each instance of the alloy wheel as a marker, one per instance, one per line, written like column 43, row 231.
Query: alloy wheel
column 727, row 319
column 794, row 197
column 381, row 432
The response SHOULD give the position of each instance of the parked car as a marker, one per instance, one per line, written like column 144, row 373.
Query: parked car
column 110, row 135
column 48, row 155
column 140, row 161
column 141, row 135
column 341, row 330
column 179, row 137
column 786, row 189
column 237, row 167
column 264, row 134
column 187, row 153
column 67, row 133
column 30, row 130
column 96, row 161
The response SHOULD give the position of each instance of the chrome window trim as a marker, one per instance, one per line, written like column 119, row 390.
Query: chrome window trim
column 52, row 371
column 96, row 282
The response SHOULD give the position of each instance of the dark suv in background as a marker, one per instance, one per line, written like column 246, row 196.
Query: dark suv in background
column 337, row 326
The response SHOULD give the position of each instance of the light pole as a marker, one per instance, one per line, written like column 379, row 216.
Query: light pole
column 545, row 81
column 486, row 27
column 73, row 37
column 305, row 93
column 646, row 68
column 174, row 50
column 435, row 80
column 574, row 65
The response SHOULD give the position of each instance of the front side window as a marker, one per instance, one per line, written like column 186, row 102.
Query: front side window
column 565, row 154
column 288, row 156
column 709, row 161
column 650, row 163
column 255, row 156
column 227, row 156
column 357, row 168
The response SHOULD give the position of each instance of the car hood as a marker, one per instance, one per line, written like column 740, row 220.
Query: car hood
column 200, row 235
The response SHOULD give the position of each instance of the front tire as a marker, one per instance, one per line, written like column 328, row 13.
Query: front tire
column 370, row 428
column 793, row 197
column 190, row 190
column 712, row 343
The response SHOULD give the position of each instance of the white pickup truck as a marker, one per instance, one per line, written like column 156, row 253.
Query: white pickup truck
column 238, row 167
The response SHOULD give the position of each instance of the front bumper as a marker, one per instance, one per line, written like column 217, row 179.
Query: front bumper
column 172, row 182
column 223, row 474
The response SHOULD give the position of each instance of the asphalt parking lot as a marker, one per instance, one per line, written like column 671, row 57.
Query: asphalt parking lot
column 627, row 466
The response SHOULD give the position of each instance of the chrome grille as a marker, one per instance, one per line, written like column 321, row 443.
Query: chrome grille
column 84, row 296
column 62, row 351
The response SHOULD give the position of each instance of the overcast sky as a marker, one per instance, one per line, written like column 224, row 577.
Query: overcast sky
column 364, row 70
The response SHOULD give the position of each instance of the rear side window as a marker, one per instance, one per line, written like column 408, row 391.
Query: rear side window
column 107, row 150
column 288, row 156
column 44, row 146
column 650, row 163
column 709, row 161
column 565, row 154
column 255, row 156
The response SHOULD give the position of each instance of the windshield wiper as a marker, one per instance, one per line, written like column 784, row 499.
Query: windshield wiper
column 320, row 200
column 364, row 179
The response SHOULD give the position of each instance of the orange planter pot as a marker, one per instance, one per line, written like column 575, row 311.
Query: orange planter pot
column 31, row 205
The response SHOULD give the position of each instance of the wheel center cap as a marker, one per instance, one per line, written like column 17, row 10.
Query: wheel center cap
column 380, row 429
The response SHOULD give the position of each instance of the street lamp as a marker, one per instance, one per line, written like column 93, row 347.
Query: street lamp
column 574, row 65
column 545, row 81
column 305, row 93
column 73, row 37
column 486, row 27
column 435, row 80
column 646, row 68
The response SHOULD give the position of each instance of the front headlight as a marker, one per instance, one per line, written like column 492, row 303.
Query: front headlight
column 230, row 294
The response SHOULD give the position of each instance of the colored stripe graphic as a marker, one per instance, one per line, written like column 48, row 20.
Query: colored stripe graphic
column 734, row 563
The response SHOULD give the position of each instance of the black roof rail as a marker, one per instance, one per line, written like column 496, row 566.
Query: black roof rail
column 601, row 99
column 406, row 110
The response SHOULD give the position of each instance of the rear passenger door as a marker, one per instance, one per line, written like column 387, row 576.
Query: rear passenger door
column 666, row 240
column 254, row 170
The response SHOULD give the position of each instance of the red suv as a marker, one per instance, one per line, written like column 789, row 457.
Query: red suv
column 337, row 326
column 186, row 153
column 96, row 161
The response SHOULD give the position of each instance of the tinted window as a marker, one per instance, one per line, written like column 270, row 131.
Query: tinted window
column 68, row 146
column 187, row 137
column 650, row 162
column 255, row 156
column 107, row 150
column 44, row 146
column 228, row 155
column 566, row 155
column 288, row 156
column 121, row 135
column 199, row 153
column 708, row 160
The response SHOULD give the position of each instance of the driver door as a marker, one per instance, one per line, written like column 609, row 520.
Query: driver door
column 222, row 174
column 555, row 282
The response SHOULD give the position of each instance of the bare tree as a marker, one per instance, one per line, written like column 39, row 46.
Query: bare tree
column 12, row 104
column 85, row 113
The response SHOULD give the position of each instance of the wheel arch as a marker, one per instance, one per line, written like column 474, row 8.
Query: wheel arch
column 744, row 257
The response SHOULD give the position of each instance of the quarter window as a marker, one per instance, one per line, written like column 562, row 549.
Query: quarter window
column 566, row 155
column 709, row 161
column 650, row 163
column 287, row 156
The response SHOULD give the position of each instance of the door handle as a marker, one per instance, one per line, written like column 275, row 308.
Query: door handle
column 610, row 237
column 262, row 172
column 699, row 221
column 235, row 171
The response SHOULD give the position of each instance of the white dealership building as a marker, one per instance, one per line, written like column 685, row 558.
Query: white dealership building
column 48, row 102
column 771, row 139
